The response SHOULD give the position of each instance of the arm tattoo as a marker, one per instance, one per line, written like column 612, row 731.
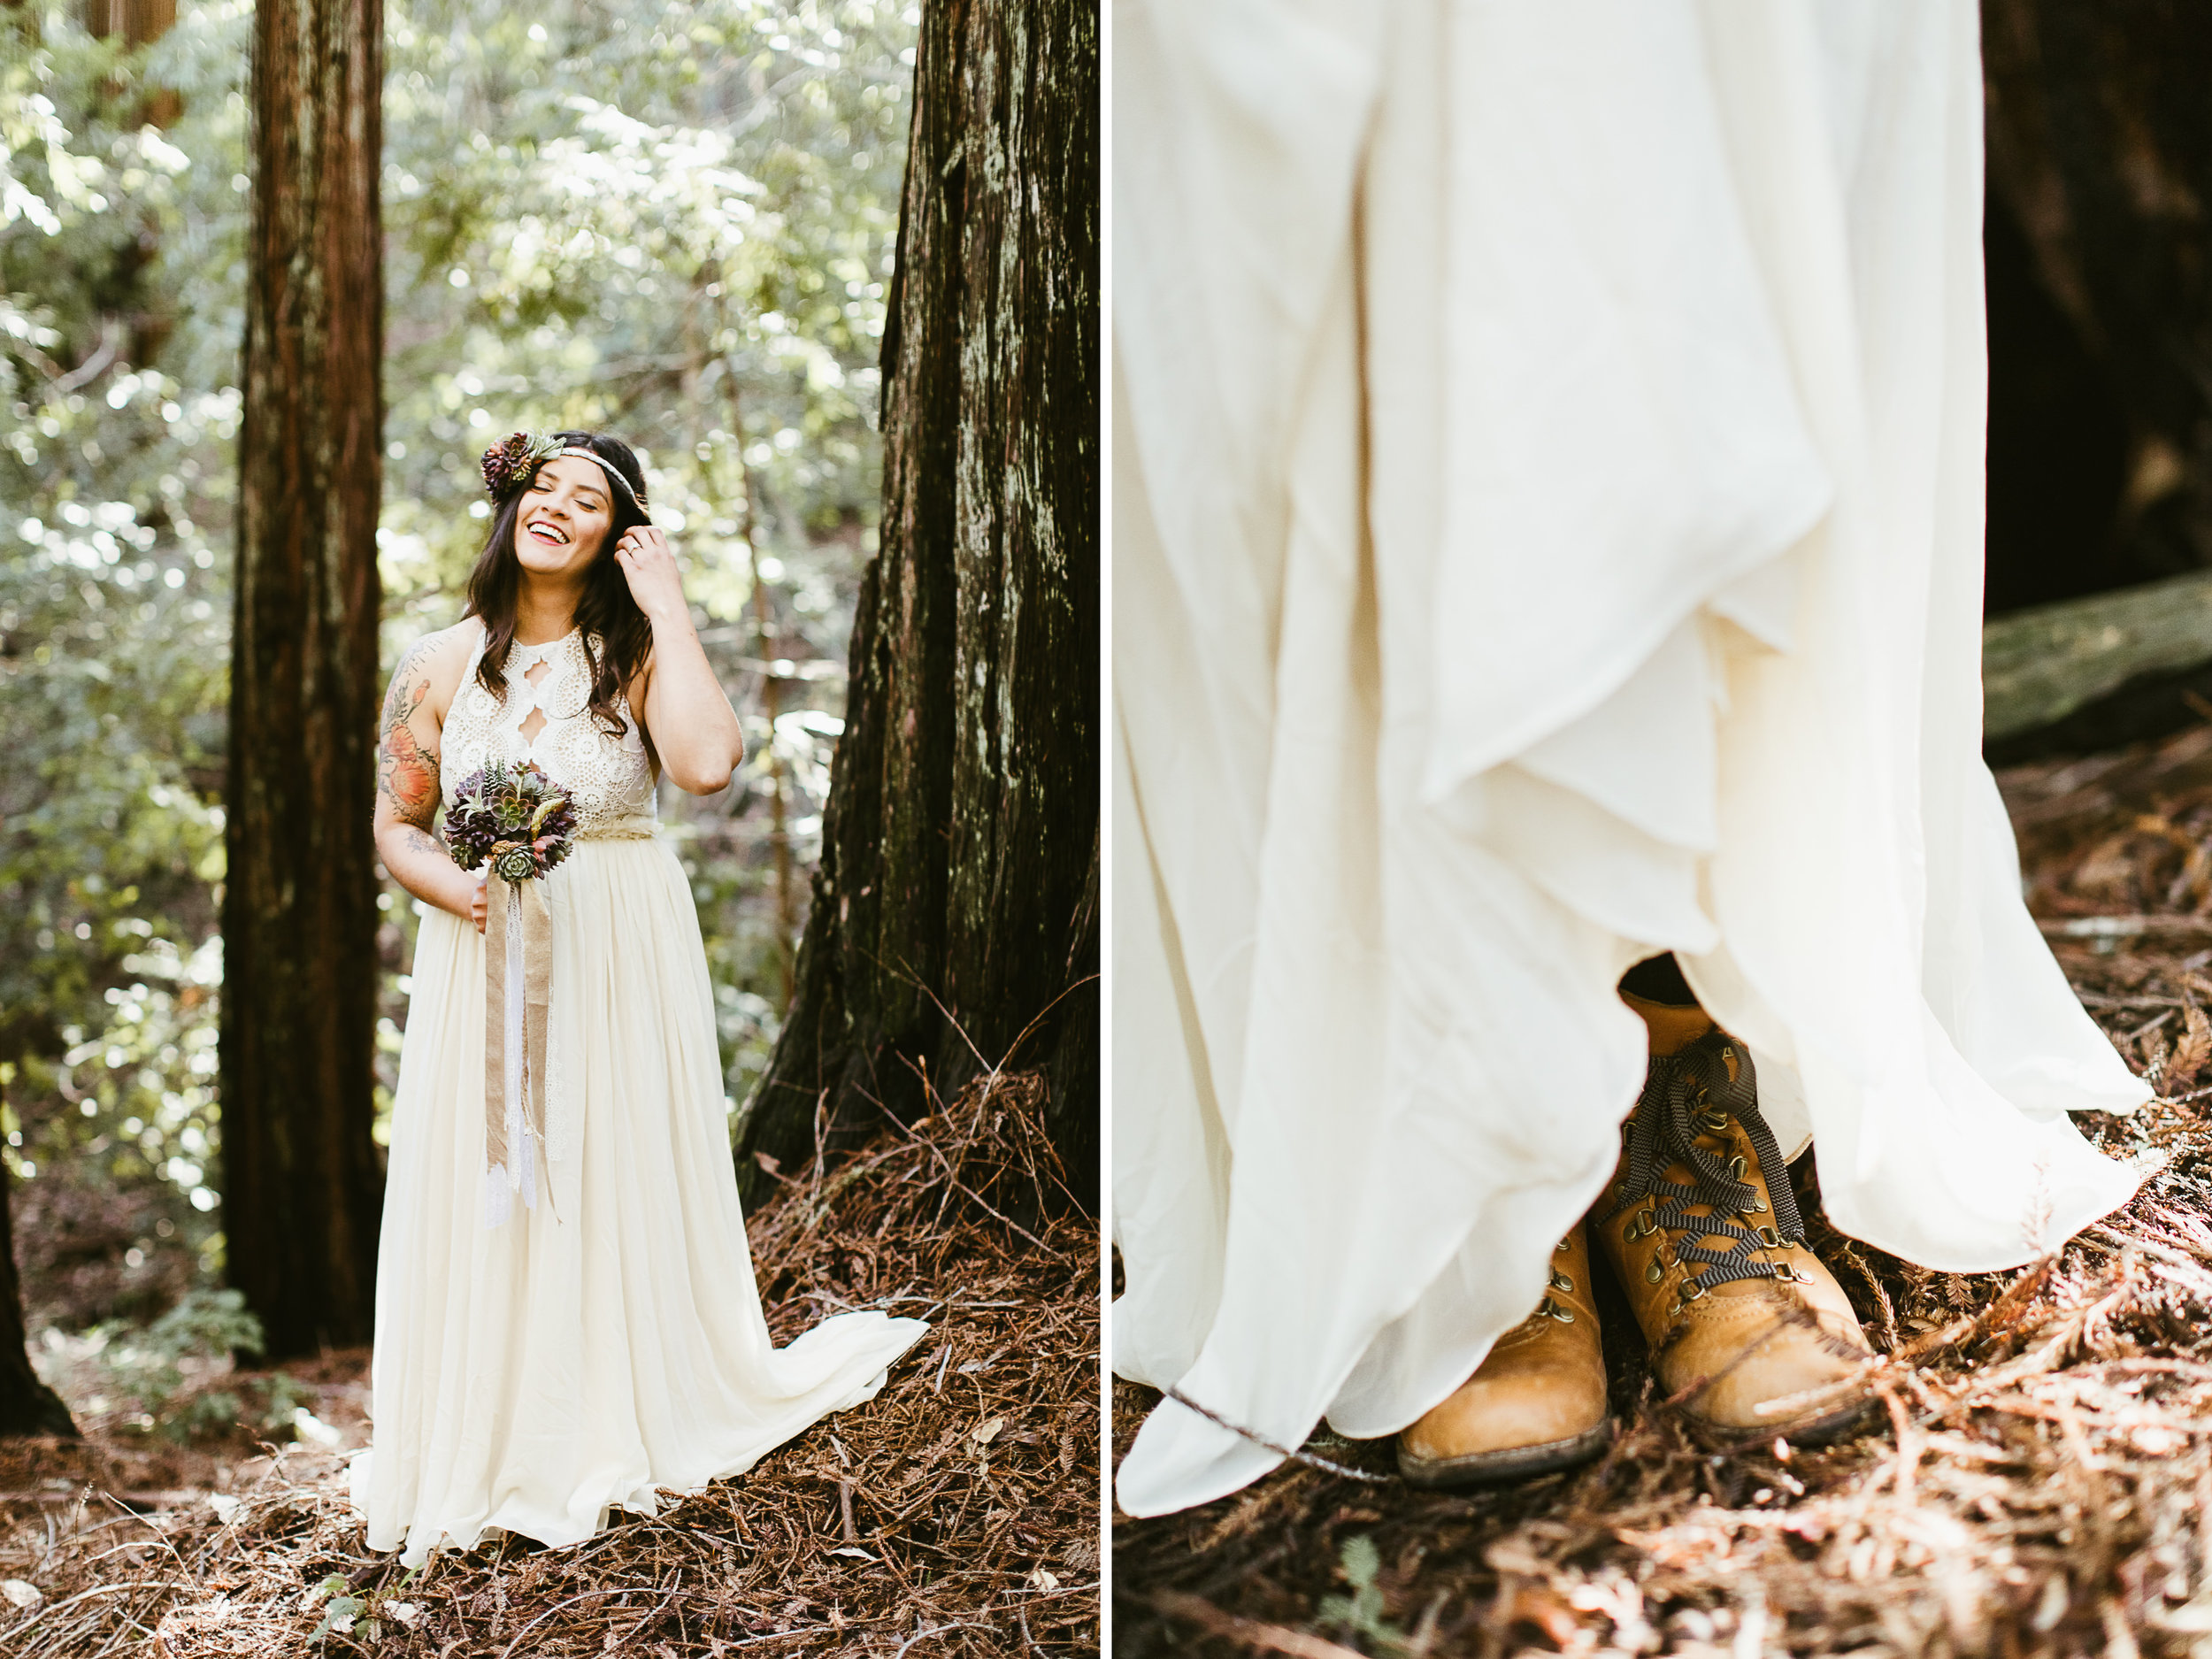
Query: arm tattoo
column 407, row 771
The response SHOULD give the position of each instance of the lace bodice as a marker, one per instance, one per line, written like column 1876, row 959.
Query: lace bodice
column 609, row 779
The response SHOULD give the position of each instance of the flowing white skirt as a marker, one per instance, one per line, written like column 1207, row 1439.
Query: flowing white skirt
column 609, row 1342
column 1547, row 501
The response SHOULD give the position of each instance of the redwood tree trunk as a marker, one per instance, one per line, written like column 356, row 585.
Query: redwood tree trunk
column 27, row 1406
column 2100, row 270
column 137, row 22
column 302, row 1191
column 960, row 846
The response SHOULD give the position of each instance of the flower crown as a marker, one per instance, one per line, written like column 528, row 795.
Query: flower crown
column 510, row 464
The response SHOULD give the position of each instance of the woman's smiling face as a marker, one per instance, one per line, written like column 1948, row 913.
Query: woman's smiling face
column 566, row 512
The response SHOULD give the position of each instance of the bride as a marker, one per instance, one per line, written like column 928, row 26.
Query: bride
column 542, row 1362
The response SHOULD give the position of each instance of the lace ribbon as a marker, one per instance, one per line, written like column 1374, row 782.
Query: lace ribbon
column 517, row 990
column 1688, row 1094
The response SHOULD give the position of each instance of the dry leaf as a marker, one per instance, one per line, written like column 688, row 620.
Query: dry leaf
column 2191, row 1053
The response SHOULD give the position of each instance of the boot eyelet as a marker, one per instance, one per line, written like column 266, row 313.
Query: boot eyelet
column 1712, row 1122
column 1691, row 1290
column 1739, row 1165
column 1560, row 1282
column 1758, row 1206
column 1564, row 1247
column 1653, row 1271
column 1551, row 1310
column 1769, row 1237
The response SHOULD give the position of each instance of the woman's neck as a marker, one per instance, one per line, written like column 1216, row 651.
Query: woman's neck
column 543, row 613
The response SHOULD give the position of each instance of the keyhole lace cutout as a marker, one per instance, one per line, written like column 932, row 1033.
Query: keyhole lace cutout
column 533, row 722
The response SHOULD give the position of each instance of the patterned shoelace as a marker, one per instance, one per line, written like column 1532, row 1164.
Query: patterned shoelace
column 1688, row 1093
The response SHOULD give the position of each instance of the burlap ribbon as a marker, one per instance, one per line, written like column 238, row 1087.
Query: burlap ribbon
column 518, row 988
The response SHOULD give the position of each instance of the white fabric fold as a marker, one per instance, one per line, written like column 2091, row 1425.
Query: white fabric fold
column 1547, row 513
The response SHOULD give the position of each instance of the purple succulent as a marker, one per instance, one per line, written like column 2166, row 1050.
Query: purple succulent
column 514, row 817
column 513, row 458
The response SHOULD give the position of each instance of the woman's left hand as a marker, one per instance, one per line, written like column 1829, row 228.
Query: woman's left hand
column 649, row 566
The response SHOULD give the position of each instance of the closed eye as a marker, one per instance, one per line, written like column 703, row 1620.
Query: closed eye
column 585, row 498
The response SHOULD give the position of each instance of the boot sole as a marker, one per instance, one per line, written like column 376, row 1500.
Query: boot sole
column 1512, row 1463
column 1815, row 1430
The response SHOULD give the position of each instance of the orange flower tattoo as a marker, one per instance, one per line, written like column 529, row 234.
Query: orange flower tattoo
column 406, row 771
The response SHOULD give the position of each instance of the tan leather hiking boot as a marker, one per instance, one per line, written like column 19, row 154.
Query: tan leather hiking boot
column 1712, row 1254
column 1535, row 1405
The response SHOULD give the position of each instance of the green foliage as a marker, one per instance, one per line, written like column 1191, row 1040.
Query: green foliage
column 115, row 479
column 162, row 1377
column 271, row 1405
column 345, row 1611
column 1361, row 1613
column 205, row 1322
column 341, row 1611
column 677, row 227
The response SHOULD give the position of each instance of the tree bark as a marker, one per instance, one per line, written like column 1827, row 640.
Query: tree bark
column 137, row 22
column 27, row 1406
column 2099, row 273
column 954, row 918
column 302, row 1191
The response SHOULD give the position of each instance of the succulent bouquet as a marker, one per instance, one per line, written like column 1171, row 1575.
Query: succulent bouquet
column 515, row 818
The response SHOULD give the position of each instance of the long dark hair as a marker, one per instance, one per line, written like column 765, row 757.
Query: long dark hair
column 609, row 617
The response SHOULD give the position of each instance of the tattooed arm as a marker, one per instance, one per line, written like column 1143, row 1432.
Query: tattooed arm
column 407, row 775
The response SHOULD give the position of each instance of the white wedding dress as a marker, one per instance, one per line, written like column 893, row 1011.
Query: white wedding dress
column 1547, row 507
column 609, row 1342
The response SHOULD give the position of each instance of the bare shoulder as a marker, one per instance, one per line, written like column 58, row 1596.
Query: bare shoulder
column 430, row 669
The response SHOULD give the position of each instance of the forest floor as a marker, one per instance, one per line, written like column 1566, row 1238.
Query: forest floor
column 957, row 1513
column 2036, row 1478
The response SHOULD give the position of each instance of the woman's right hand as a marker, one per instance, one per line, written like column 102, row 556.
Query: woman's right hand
column 476, row 900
